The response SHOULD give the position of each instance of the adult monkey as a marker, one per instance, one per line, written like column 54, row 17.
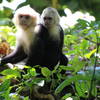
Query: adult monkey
column 29, row 36
column 50, row 19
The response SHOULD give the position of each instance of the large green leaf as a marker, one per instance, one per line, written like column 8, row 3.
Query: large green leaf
column 69, row 81
column 10, row 73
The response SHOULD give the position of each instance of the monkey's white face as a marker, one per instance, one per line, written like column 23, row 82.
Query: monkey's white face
column 48, row 21
column 25, row 18
column 26, row 21
column 50, row 17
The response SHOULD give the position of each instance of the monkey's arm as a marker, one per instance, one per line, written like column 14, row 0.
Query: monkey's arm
column 16, row 56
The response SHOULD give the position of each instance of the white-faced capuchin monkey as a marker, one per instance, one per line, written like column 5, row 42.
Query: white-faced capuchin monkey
column 50, row 19
column 29, row 43
column 33, row 44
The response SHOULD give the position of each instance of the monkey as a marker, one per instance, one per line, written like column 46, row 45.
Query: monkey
column 50, row 18
column 29, row 42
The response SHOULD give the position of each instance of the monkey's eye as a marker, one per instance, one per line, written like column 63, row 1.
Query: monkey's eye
column 47, row 18
column 27, row 16
column 20, row 16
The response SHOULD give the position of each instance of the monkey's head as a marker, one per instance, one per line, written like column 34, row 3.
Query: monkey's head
column 50, row 17
column 25, row 17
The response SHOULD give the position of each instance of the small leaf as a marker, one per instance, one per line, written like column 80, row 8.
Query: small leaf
column 66, row 96
column 94, row 90
column 26, row 98
column 32, row 71
column 5, row 85
column 82, row 87
column 11, row 73
column 90, row 54
column 46, row 72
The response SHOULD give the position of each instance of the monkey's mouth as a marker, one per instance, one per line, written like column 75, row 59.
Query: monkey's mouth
column 24, row 25
column 47, row 24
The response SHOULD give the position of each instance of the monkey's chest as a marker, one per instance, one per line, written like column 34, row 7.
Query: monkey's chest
column 26, row 44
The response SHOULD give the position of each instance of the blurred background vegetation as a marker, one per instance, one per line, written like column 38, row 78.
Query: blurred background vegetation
column 92, row 6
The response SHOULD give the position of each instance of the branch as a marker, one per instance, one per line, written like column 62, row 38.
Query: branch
column 92, row 41
column 93, row 74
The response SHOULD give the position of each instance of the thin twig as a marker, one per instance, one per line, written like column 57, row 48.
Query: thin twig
column 93, row 75
column 92, row 41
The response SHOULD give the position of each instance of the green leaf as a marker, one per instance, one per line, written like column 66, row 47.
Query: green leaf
column 32, row 72
column 33, row 81
column 94, row 90
column 10, row 73
column 5, row 85
column 90, row 54
column 77, row 65
column 66, row 96
column 83, row 23
column 82, row 88
column 46, row 72
column 84, row 45
column 69, row 81
column 26, row 98
column 26, row 76
column 6, row 94
column 4, row 21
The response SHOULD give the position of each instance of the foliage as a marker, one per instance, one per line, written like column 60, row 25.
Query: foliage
column 8, row 33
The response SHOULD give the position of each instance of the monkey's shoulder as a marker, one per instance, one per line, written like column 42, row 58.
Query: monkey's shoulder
column 41, row 31
column 42, row 28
